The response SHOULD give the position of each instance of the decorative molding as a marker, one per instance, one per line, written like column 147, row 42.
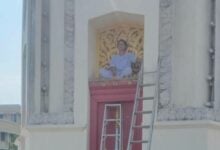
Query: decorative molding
column 173, row 113
column 167, row 111
column 107, row 42
column 165, row 50
column 106, row 83
column 66, row 116
column 45, row 55
column 68, row 56
column 51, row 118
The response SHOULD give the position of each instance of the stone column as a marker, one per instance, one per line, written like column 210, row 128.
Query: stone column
column 50, row 62
column 68, row 56
column 165, row 51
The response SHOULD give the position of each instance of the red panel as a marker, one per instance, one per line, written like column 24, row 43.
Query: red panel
column 120, row 92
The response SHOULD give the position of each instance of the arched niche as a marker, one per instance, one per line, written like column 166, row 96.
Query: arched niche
column 104, row 32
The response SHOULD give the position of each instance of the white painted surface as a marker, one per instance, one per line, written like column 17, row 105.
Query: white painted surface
column 190, row 135
column 65, row 137
column 56, row 138
column 56, row 56
column 189, row 73
column 190, row 53
column 37, row 93
column 148, row 8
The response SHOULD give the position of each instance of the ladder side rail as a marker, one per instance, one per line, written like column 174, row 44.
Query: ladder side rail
column 155, row 104
column 118, row 144
column 103, row 130
column 120, row 129
column 158, row 84
column 133, row 118
column 118, row 124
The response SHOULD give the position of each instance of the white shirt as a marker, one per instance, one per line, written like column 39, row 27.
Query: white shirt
column 122, row 61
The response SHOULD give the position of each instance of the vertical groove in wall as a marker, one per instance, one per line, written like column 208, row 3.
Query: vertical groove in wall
column 217, row 57
column 45, row 55
column 210, row 101
column 165, row 51
column 24, row 64
column 30, row 57
column 24, row 86
column 68, row 56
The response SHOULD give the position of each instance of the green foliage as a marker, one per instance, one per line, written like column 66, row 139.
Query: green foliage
column 12, row 146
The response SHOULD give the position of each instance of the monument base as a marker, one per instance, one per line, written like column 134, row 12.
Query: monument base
column 186, row 135
column 54, row 137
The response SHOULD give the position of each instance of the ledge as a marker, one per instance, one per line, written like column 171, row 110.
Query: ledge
column 174, row 113
column 113, row 90
column 106, row 83
column 51, row 118
column 187, row 124
column 57, row 128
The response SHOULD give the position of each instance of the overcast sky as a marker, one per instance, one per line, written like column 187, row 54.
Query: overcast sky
column 10, row 51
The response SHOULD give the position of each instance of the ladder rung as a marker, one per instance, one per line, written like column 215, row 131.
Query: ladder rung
column 145, row 98
column 112, row 135
column 142, row 126
column 108, row 120
column 147, row 84
column 139, row 141
column 143, row 112
column 112, row 105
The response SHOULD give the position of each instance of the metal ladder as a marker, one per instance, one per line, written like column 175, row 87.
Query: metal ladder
column 109, row 111
column 143, row 83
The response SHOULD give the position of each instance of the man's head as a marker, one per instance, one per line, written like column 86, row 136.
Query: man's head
column 122, row 46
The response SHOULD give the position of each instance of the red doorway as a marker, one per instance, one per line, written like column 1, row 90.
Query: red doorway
column 105, row 92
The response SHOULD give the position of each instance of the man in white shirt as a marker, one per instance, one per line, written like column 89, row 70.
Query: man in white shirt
column 120, row 64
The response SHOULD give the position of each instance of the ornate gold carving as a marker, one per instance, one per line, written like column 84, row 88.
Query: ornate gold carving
column 107, row 40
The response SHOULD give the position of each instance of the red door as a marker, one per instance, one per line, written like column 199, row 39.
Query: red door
column 117, row 92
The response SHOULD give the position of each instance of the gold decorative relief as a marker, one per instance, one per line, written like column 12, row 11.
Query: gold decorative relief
column 107, row 42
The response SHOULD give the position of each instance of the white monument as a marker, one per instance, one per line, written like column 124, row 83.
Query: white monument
column 60, row 58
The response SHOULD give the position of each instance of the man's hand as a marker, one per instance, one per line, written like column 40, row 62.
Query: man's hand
column 113, row 70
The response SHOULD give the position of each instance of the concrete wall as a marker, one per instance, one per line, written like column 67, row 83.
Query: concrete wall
column 150, row 10
column 190, row 52
column 182, row 135
column 189, row 70
column 57, row 137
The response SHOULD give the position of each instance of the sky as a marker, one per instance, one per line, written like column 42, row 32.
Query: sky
column 10, row 51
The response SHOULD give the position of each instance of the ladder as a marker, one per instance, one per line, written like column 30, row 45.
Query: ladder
column 146, row 80
column 112, row 119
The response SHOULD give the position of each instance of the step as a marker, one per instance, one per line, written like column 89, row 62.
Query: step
column 145, row 98
column 138, row 141
column 111, row 135
column 143, row 112
column 147, row 84
column 142, row 126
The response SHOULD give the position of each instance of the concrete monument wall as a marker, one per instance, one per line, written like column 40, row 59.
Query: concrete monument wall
column 53, row 119
column 57, row 51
